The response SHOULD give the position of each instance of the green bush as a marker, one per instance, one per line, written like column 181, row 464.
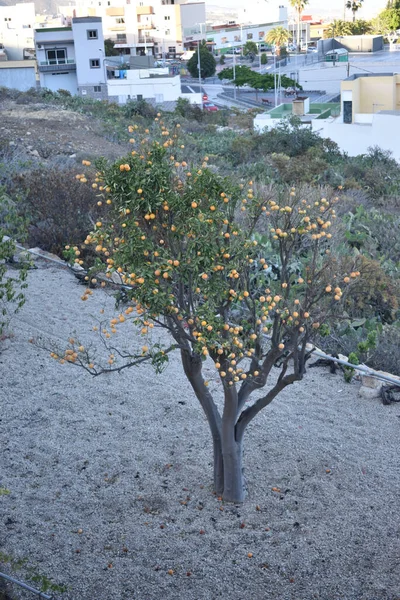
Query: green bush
column 59, row 208
column 12, row 282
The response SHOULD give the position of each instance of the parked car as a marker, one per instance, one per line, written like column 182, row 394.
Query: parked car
column 209, row 107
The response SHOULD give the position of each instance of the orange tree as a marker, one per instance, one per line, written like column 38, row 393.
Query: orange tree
column 185, row 246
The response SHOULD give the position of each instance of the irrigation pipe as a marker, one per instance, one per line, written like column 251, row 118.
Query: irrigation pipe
column 362, row 368
column 26, row 587
column 370, row 372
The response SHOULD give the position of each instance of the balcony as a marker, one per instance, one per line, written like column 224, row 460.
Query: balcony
column 144, row 10
column 146, row 40
column 57, row 65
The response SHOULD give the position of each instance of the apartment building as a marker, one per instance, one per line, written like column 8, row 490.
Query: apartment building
column 72, row 58
column 226, row 38
column 148, row 27
column 17, row 24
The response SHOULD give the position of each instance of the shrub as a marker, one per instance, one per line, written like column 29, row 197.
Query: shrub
column 12, row 285
column 58, row 207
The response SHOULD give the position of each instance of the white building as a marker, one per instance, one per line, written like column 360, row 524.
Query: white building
column 155, row 27
column 262, row 11
column 72, row 58
column 16, row 30
column 145, row 84
column 227, row 37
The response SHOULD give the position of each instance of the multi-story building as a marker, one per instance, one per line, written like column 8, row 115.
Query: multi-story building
column 16, row 30
column 72, row 58
column 227, row 38
column 155, row 27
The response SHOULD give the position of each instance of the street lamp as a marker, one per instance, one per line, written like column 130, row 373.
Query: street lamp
column 198, row 58
column 104, row 67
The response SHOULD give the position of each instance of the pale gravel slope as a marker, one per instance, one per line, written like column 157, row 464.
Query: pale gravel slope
column 93, row 454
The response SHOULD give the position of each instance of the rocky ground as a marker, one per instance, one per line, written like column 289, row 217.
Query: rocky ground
column 109, row 479
column 40, row 131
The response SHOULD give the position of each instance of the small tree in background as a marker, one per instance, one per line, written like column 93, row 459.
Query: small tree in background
column 250, row 49
column 207, row 62
column 183, row 242
column 264, row 59
column 278, row 37
column 354, row 6
column 109, row 48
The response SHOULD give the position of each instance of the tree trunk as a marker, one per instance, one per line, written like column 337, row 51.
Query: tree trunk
column 234, row 484
column 232, row 449
column 218, row 467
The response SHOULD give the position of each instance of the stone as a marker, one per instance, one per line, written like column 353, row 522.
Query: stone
column 77, row 268
column 116, row 278
column 371, row 382
column 38, row 252
column 369, row 393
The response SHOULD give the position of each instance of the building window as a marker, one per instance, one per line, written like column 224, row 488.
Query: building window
column 94, row 63
column 171, row 50
column 92, row 34
column 120, row 20
column 167, row 32
column 249, row 36
column 224, row 40
column 167, row 18
column 237, row 38
column 261, row 35
column 97, row 88
column 56, row 57
column 7, row 19
column 121, row 37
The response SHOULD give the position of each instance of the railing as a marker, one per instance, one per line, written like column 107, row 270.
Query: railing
column 146, row 40
column 57, row 61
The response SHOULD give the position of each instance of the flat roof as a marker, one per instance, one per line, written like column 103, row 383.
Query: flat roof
column 358, row 75
column 86, row 20
column 45, row 29
column 18, row 64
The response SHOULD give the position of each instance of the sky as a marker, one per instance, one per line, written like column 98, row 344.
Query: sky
column 321, row 8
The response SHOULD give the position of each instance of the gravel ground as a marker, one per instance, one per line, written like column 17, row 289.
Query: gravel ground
column 110, row 478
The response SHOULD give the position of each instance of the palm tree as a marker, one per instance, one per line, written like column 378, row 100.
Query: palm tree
column 337, row 29
column 354, row 5
column 279, row 36
column 299, row 6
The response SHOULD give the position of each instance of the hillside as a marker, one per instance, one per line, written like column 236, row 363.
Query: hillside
column 106, row 482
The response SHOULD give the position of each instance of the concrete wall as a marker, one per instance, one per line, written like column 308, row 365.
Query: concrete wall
column 18, row 76
column 138, row 82
column 87, row 49
column 59, row 81
column 355, row 139
column 17, row 28
column 372, row 94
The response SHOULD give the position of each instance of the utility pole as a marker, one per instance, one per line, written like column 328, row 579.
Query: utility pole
column 199, row 69
column 348, row 69
column 234, row 76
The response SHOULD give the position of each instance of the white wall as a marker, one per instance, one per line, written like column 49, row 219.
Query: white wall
column 163, row 89
column 17, row 28
column 356, row 139
column 87, row 49
column 351, row 138
column 55, row 82
column 20, row 78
